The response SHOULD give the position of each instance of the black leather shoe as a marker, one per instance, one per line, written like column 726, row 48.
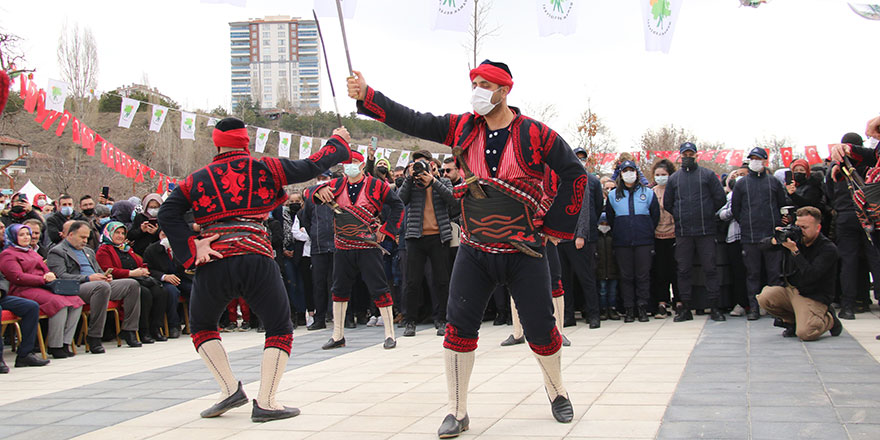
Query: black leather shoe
column 682, row 313
column 410, row 329
column 173, row 332
column 349, row 323
column 31, row 360
column 630, row 315
column 334, row 344
column 838, row 326
column 717, row 315
column 513, row 341
column 453, row 428
column 613, row 315
column 565, row 341
column 753, row 315
column 4, row 369
column 260, row 415
column 146, row 338
column 603, row 315
column 643, row 315
column 562, row 410
column 389, row 343
column 595, row 322
column 130, row 338
column 57, row 353
column 441, row 331
column 95, row 346
column 238, row 398
column 67, row 350
column 569, row 322
column 317, row 325
column 158, row 336
column 846, row 313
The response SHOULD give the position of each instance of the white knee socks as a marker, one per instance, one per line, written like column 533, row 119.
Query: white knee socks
column 214, row 355
column 458, row 375
column 339, row 308
column 271, row 370
column 517, row 326
column 387, row 321
column 551, row 367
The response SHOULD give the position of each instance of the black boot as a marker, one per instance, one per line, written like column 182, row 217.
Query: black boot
column 846, row 313
column 603, row 315
column 57, row 353
column 630, row 315
column 67, row 350
column 613, row 315
column 30, row 360
column 130, row 338
column 238, row 398
column 451, row 427
column 260, row 415
column 682, row 313
column 717, row 315
column 838, row 326
column 145, row 337
column 158, row 336
column 95, row 345
column 595, row 322
column 643, row 315
column 410, row 329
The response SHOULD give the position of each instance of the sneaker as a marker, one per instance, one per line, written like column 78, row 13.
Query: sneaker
column 410, row 329
column 661, row 311
column 230, row 328
column 372, row 321
column 738, row 310
column 245, row 326
column 379, row 322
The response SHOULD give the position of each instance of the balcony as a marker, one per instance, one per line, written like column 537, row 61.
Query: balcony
column 21, row 163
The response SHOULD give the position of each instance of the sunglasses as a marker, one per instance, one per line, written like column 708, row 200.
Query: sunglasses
column 445, row 170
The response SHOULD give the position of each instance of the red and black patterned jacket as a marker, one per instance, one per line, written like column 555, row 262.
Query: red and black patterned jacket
column 522, row 168
column 236, row 185
column 373, row 197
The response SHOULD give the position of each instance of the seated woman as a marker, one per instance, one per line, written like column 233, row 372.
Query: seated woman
column 37, row 237
column 28, row 275
column 165, row 268
column 115, row 253
column 144, row 229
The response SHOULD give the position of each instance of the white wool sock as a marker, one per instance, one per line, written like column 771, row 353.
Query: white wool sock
column 551, row 367
column 271, row 370
column 458, row 375
column 517, row 326
column 214, row 355
column 387, row 321
column 558, row 309
column 339, row 308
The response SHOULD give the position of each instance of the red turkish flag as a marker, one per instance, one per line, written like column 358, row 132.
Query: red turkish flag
column 786, row 155
column 636, row 156
column 161, row 188
column 736, row 158
column 674, row 156
column 152, row 173
column 50, row 119
column 708, row 155
column 722, row 156
column 812, row 155
column 76, row 128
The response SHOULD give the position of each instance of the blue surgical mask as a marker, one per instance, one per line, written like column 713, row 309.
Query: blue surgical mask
column 133, row 215
column 67, row 211
column 352, row 169
column 103, row 221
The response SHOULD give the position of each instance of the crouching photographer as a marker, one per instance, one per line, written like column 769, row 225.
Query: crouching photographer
column 803, row 306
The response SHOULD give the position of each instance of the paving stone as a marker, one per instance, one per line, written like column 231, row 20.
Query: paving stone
column 786, row 399
column 713, row 430
column 793, row 431
column 50, row 432
column 709, row 398
column 855, row 415
column 863, row 431
column 693, row 413
column 102, row 418
column 819, row 414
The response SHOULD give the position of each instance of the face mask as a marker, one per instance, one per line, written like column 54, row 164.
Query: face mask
column 604, row 229
column 295, row 207
column 41, row 203
column 153, row 212
column 731, row 182
column 17, row 209
column 800, row 178
column 165, row 243
column 352, row 169
column 133, row 215
column 481, row 100
column 67, row 211
column 398, row 182
column 629, row 176
column 89, row 211
column 661, row 180
column 382, row 170
column 756, row 165
column 104, row 221
column 689, row 163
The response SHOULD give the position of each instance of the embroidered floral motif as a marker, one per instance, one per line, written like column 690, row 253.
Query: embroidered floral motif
column 232, row 181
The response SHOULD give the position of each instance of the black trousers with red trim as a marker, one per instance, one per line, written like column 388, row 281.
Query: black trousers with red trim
column 256, row 278
column 368, row 262
column 474, row 277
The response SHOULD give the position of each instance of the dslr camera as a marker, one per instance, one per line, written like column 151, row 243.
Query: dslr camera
column 420, row 166
column 790, row 230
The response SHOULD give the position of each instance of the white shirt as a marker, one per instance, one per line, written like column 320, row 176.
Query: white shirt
column 301, row 235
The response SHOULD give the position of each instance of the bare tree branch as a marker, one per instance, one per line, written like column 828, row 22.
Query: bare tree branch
column 78, row 61
column 480, row 29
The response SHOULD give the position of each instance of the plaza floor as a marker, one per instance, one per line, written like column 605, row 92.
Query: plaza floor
column 660, row 379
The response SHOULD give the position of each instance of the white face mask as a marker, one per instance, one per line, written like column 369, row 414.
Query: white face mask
column 165, row 243
column 604, row 229
column 153, row 212
column 41, row 203
column 351, row 169
column 661, row 180
column 756, row 165
column 629, row 176
column 481, row 100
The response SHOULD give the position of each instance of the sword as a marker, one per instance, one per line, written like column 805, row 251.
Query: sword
column 327, row 64
column 473, row 184
column 338, row 210
column 344, row 39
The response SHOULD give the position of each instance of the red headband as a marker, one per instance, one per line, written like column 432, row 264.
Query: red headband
column 237, row 138
column 355, row 155
column 493, row 74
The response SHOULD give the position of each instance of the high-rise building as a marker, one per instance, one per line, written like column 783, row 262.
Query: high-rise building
column 276, row 62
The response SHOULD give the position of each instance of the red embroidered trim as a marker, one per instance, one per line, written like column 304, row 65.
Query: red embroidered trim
column 384, row 300
column 558, row 291
column 450, row 134
column 457, row 343
column 372, row 106
column 276, row 169
column 577, row 196
column 186, row 187
column 328, row 148
column 203, row 336
column 281, row 342
column 551, row 348
column 340, row 299
column 557, row 234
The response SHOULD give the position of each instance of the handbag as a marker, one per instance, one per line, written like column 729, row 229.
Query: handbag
column 64, row 287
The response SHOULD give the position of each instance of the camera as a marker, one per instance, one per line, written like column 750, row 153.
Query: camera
column 419, row 167
column 789, row 231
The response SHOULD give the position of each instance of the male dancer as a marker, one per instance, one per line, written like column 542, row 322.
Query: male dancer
column 230, row 198
column 360, row 199
column 507, row 152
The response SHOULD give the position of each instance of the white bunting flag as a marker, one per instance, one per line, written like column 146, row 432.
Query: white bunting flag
column 212, row 122
column 557, row 17
column 327, row 8
column 403, row 160
column 453, row 15
column 56, row 95
column 157, row 118
column 305, row 147
column 660, row 17
column 188, row 125
column 284, row 140
column 127, row 112
column 363, row 150
column 262, row 138
column 382, row 153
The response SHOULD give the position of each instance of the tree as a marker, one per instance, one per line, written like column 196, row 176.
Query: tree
column 593, row 136
column 11, row 55
column 480, row 30
column 773, row 143
column 78, row 61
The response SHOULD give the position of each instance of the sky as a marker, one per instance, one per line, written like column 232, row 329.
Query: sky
column 802, row 69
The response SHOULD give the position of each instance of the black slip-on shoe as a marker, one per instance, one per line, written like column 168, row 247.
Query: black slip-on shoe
column 562, row 410
column 331, row 344
column 31, row 360
column 565, row 341
column 389, row 343
column 451, row 427
column 260, row 415
column 513, row 341
column 238, row 398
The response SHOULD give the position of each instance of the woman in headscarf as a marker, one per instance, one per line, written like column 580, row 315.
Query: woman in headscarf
column 28, row 276
column 144, row 229
column 115, row 253
column 122, row 212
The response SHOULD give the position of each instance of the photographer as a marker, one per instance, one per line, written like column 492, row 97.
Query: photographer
column 427, row 197
column 809, row 268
